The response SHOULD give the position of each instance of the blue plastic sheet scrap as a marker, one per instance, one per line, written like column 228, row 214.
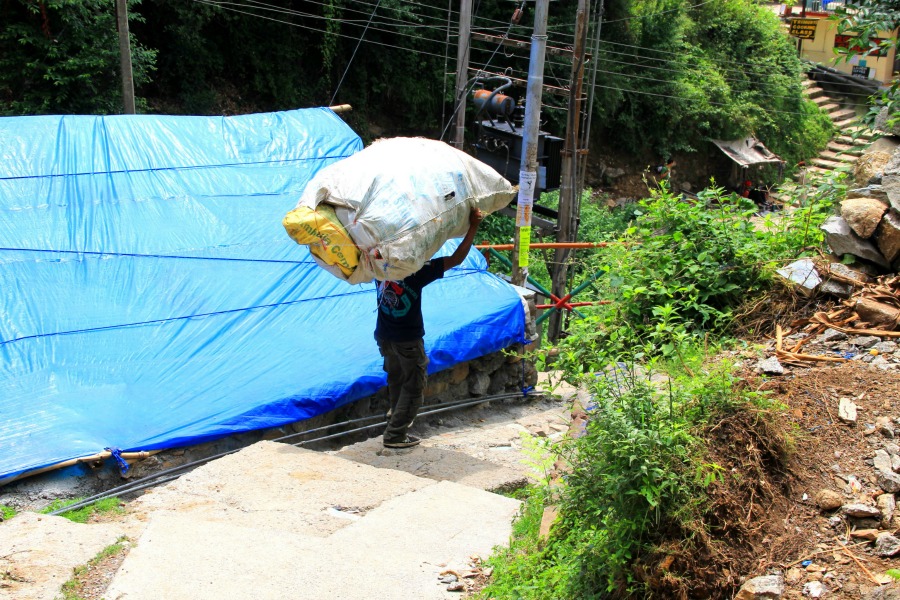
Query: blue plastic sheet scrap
column 150, row 298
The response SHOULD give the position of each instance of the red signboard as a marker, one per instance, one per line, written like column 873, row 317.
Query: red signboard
column 844, row 41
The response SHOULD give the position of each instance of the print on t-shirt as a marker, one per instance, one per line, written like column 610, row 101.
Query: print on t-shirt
column 396, row 299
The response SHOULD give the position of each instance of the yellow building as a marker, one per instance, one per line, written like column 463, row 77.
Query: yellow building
column 817, row 38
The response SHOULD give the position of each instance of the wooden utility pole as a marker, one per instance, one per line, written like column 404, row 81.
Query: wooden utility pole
column 462, row 70
column 125, row 56
column 529, row 163
column 586, row 130
column 569, row 189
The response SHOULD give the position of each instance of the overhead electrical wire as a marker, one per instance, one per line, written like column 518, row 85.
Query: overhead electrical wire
column 662, row 12
column 673, row 67
column 748, row 74
column 756, row 85
column 349, row 37
column 407, row 23
column 473, row 81
column 608, row 87
column 352, row 56
column 229, row 6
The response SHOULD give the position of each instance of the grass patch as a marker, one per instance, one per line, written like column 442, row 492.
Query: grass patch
column 74, row 588
column 7, row 512
column 83, row 515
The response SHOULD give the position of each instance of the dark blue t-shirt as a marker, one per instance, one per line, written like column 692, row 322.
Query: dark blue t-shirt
column 400, row 304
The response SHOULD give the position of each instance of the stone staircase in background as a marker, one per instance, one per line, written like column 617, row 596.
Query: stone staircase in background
column 847, row 145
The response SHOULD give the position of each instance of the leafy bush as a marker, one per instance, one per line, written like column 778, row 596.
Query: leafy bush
column 62, row 56
column 683, row 267
column 635, row 475
column 676, row 76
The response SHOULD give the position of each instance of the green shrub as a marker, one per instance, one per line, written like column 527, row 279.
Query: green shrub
column 637, row 475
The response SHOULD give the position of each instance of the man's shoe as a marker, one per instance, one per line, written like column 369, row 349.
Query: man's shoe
column 407, row 442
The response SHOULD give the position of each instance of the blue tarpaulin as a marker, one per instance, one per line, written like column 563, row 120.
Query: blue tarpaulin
column 150, row 298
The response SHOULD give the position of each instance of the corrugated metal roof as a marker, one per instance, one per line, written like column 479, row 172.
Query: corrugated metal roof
column 748, row 151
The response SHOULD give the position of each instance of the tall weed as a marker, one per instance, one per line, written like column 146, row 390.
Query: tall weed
column 637, row 474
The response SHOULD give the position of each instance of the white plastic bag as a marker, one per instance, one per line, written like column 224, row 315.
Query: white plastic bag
column 400, row 199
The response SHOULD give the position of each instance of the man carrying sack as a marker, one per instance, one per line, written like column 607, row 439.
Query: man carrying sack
column 400, row 333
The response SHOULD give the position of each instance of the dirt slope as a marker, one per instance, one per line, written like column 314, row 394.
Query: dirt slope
column 765, row 519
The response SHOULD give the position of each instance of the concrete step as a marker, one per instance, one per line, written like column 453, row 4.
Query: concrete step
column 858, row 144
column 271, row 507
column 837, row 157
column 814, row 173
column 842, row 114
column 40, row 552
column 842, row 149
column 845, row 124
column 825, row 163
column 830, row 107
column 822, row 99
column 274, row 521
column 816, row 94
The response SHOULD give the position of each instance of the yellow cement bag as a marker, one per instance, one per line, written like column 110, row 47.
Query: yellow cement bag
column 327, row 239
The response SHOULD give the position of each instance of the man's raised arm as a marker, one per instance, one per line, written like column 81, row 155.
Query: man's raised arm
column 459, row 255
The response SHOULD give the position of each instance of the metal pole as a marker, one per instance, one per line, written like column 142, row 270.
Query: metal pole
column 528, row 170
column 125, row 57
column 569, row 188
column 462, row 71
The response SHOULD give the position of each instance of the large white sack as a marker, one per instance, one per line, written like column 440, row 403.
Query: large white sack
column 400, row 199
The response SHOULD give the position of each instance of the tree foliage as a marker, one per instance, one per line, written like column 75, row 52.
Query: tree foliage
column 62, row 56
column 723, row 70
column 670, row 74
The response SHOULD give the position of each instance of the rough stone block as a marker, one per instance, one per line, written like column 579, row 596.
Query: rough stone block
column 479, row 383
column 870, row 191
column 768, row 587
column 459, row 373
column 842, row 240
column 436, row 388
column 881, row 123
column 863, row 214
column 868, row 165
column 887, row 236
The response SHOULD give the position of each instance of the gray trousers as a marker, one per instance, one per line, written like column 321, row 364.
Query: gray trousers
column 406, row 366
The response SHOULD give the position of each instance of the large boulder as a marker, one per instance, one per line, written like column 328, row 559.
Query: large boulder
column 842, row 241
column 870, row 191
column 890, row 182
column 870, row 166
column 863, row 215
column 881, row 123
column 887, row 236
